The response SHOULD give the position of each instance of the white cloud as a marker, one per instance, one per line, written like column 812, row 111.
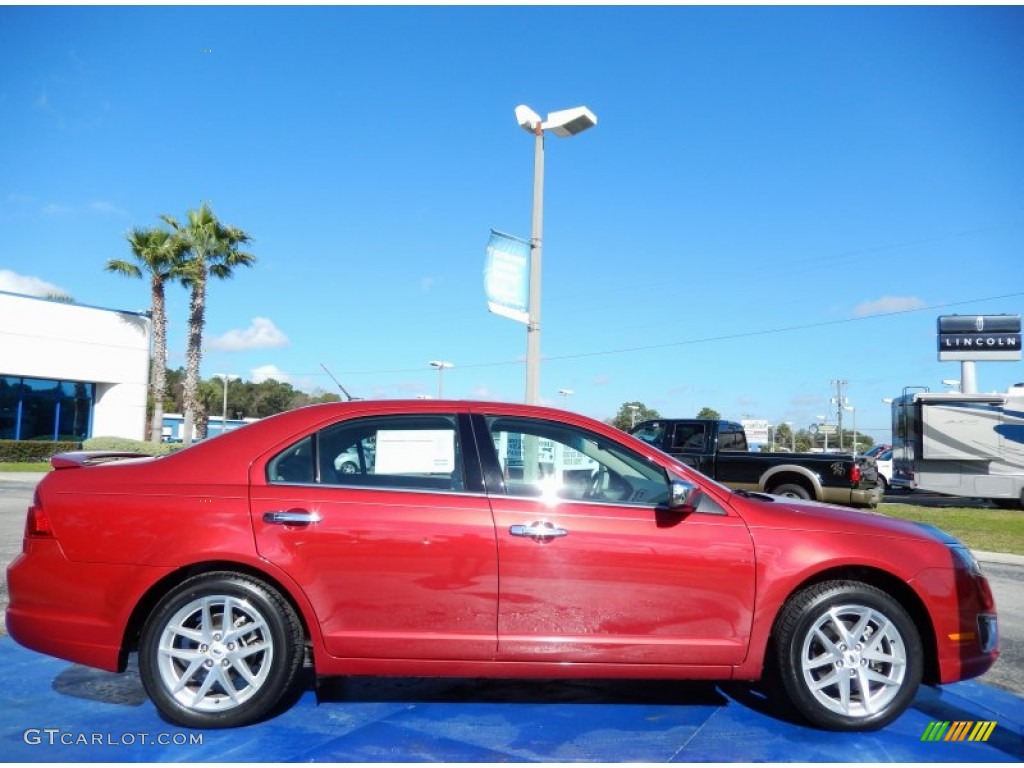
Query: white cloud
column 261, row 373
column 888, row 304
column 103, row 206
column 12, row 282
column 261, row 334
column 56, row 209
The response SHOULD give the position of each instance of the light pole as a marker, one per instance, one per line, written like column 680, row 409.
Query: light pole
column 632, row 415
column 225, row 377
column 566, row 122
column 440, row 365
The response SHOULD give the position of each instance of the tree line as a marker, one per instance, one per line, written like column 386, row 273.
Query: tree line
column 246, row 399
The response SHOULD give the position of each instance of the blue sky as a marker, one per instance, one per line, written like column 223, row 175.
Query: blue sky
column 773, row 198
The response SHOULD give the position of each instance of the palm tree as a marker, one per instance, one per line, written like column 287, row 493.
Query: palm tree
column 211, row 249
column 158, row 253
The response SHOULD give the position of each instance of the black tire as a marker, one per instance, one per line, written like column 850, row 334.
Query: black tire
column 813, row 642
column 883, row 484
column 349, row 468
column 223, row 679
column 793, row 491
column 1008, row 503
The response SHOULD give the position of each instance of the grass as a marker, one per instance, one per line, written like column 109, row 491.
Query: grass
column 981, row 528
column 36, row 466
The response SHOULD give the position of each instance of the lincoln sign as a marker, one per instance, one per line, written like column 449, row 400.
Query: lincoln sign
column 979, row 337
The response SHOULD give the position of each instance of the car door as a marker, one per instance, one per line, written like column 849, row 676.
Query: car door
column 397, row 555
column 692, row 444
column 594, row 567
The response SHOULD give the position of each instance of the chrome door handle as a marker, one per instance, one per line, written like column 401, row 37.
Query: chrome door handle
column 291, row 517
column 538, row 530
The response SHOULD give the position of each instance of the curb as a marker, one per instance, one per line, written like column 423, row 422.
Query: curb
column 999, row 558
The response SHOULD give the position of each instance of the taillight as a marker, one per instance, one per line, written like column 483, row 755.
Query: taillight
column 38, row 522
column 855, row 474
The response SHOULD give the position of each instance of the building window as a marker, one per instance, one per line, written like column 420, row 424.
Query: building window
column 44, row 409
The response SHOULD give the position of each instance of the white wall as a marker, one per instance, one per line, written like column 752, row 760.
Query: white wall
column 54, row 340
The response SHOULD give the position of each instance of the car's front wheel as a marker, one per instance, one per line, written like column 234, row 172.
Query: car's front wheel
column 849, row 656
column 220, row 650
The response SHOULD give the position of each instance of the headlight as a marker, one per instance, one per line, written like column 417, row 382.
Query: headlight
column 967, row 560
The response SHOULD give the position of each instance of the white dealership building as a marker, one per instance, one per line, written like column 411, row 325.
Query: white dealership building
column 70, row 371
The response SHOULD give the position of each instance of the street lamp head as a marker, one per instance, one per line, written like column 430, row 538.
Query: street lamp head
column 565, row 392
column 564, row 122
column 439, row 364
column 528, row 119
column 569, row 122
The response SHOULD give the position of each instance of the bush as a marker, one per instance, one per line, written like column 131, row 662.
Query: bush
column 129, row 445
column 33, row 451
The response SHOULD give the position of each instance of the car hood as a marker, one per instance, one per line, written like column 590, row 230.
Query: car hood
column 797, row 515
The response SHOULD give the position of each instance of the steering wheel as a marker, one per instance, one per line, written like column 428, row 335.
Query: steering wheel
column 595, row 490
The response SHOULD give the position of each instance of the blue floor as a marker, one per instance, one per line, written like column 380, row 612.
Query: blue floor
column 52, row 711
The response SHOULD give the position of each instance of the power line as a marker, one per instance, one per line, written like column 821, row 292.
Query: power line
column 704, row 340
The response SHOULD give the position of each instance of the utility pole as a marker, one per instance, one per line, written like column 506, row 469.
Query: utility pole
column 839, row 402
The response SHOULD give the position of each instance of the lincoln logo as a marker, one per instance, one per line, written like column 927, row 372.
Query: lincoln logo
column 979, row 323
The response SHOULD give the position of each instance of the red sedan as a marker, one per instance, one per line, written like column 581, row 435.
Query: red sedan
column 478, row 539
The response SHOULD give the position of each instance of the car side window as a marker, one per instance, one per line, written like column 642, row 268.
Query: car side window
column 556, row 461
column 294, row 464
column 417, row 452
column 689, row 438
column 732, row 440
column 652, row 433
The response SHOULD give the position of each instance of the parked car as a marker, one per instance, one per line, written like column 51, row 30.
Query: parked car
column 354, row 459
column 883, row 465
column 718, row 448
column 876, row 449
column 228, row 563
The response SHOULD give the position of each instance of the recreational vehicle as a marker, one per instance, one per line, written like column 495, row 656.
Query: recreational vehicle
column 961, row 444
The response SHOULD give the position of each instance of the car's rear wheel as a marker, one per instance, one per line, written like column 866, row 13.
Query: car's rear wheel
column 883, row 484
column 849, row 656
column 349, row 468
column 1008, row 503
column 220, row 650
column 792, row 490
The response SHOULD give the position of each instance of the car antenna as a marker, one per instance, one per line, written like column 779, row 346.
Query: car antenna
column 343, row 390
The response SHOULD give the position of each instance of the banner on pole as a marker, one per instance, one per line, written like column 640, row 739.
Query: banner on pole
column 507, row 276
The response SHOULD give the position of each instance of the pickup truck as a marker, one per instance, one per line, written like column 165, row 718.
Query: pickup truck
column 718, row 449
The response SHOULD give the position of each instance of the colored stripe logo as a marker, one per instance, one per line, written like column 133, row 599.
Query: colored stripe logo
column 959, row 730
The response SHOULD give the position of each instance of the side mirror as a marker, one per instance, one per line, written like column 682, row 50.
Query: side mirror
column 684, row 496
